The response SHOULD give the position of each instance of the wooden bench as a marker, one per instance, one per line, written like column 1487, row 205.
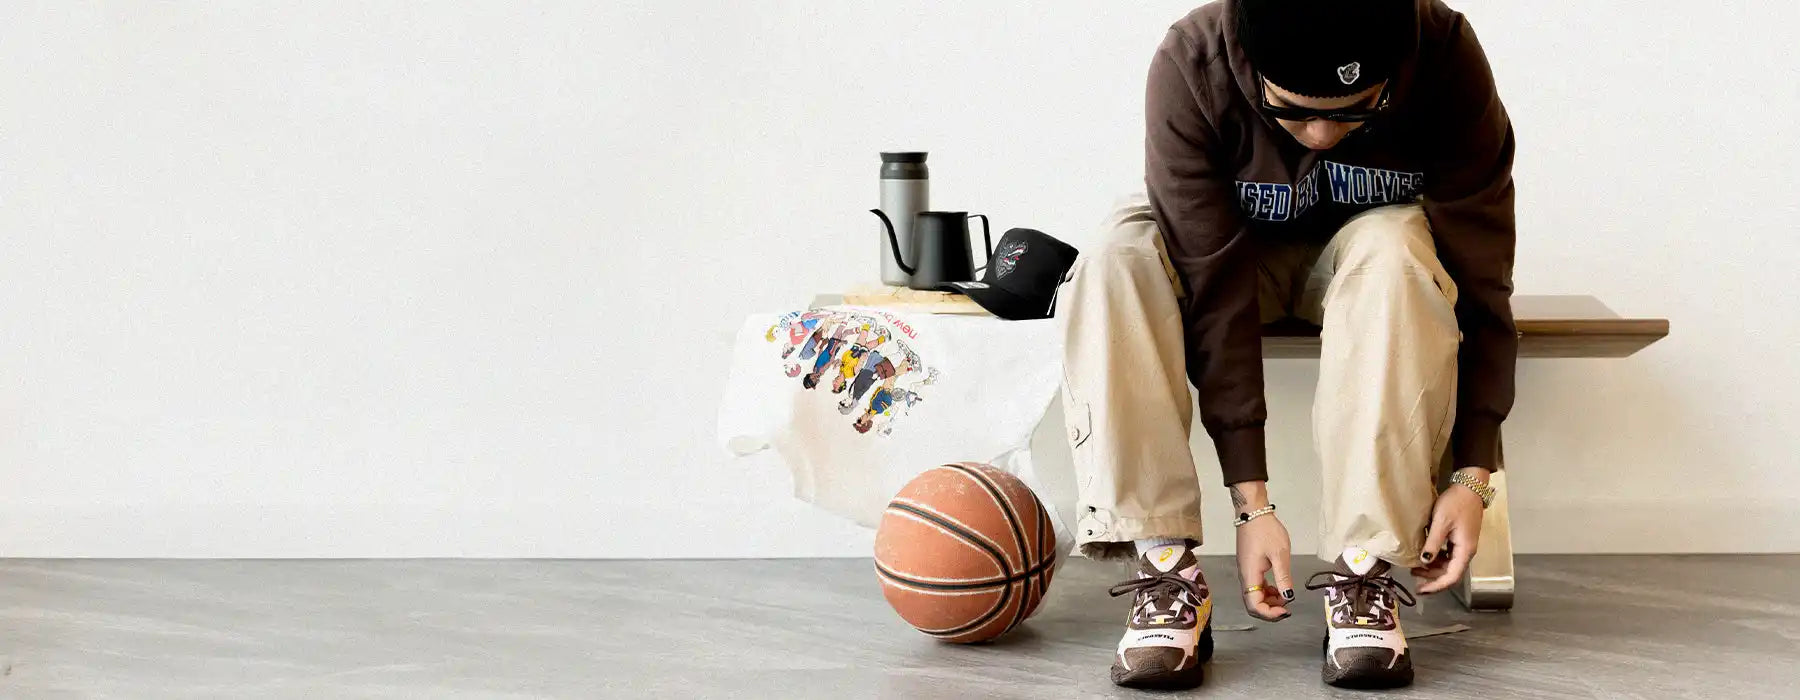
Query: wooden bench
column 1549, row 327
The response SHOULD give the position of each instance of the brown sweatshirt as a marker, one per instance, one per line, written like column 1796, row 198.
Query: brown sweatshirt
column 1223, row 177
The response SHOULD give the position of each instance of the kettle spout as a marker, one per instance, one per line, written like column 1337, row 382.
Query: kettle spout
column 894, row 242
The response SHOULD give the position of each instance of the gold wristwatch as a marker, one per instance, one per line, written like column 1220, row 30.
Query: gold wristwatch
column 1485, row 491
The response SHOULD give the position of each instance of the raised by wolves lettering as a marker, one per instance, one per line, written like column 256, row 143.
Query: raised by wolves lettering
column 1357, row 185
column 1347, row 184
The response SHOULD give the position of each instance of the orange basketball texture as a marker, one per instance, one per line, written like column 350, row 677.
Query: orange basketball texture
column 965, row 552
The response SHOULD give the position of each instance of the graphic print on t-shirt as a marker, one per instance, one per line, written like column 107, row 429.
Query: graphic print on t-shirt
column 1345, row 184
column 859, row 356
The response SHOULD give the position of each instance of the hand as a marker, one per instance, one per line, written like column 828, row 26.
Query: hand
column 1262, row 547
column 1455, row 530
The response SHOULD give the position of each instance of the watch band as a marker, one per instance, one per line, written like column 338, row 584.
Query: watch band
column 1484, row 491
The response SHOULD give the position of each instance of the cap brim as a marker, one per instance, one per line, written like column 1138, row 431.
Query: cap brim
column 1003, row 303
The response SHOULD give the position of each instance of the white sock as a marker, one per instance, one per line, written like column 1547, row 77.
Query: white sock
column 1358, row 559
column 1154, row 542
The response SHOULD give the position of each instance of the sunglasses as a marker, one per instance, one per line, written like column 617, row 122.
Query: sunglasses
column 1354, row 113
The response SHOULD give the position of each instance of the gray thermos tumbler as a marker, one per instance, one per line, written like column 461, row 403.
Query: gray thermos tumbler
column 905, row 191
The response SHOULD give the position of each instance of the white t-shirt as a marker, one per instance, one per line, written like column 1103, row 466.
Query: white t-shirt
column 857, row 401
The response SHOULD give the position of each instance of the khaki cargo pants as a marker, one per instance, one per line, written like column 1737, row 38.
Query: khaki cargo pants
column 1381, row 416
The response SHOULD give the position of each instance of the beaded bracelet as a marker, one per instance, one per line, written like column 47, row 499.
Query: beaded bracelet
column 1244, row 518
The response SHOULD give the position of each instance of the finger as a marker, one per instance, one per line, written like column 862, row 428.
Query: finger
column 1284, row 579
column 1461, row 551
column 1257, row 601
column 1467, row 540
column 1267, row 606
column 1275, row 602
column 1254, row 571
column 1460, row 554
column 1426, row 573
column 1433, row 569
column 1434, row 540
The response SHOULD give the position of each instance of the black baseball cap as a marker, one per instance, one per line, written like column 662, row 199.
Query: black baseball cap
column 1021, row 279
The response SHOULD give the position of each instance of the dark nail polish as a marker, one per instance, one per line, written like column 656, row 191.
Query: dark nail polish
column 1284, row 616
column 1426, row 556
column 1288, row 594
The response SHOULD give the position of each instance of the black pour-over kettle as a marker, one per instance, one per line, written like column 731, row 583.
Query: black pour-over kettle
column 940, row 247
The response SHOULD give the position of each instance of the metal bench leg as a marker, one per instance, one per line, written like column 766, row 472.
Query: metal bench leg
column 1488, row 585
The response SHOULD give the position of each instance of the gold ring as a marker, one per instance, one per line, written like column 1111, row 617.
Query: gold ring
column 1255, row 588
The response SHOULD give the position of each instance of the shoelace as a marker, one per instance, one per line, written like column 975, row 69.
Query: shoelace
column 1170, row 585
column 1358, row 588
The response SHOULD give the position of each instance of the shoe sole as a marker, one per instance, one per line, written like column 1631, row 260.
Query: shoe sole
column 1366, row 671
column 1156, row 677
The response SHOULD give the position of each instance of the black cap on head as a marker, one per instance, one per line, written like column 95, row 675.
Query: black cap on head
column 1327, row 48
column 1021, row 279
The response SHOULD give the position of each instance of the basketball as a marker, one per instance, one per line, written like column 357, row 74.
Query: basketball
column 965, row 552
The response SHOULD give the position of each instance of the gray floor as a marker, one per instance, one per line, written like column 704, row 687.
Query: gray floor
column 1649, row 627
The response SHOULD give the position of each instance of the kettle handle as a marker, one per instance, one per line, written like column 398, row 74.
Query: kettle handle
column 894, row 241
column 987, row 239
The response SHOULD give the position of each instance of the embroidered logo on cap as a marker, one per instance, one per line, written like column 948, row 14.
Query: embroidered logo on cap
column 1350, row 72
column 1009, row 258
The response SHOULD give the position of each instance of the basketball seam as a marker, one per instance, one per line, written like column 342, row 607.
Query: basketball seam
column 1033, row 591
column 1038, row 581
column 957, row 531
column 966, row 531
column 1012, row 522
column 1017, row 512
column 993, row 491
column 1005, row 570
column 1027, row 576
column 903, row 585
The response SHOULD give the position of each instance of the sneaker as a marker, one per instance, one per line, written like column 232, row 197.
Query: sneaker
column 1364, row 647
column 1169, row 633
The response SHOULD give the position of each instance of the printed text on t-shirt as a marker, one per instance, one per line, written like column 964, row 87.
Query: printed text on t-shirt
column 1346, row 184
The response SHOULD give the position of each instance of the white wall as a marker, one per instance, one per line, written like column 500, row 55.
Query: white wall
column 335, row 279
